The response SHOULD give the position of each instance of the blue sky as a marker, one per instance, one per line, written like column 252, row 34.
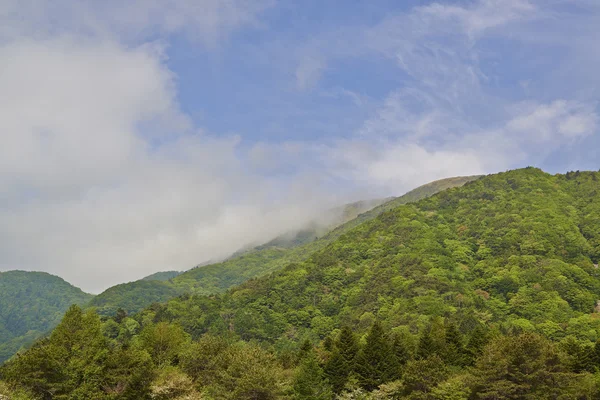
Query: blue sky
column 150, row 135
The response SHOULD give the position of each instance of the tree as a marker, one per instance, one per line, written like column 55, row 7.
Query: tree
column 521, row 367
column 342, row 361
column 454, row 351
column 426, row 346
column 422, row 376
column 309, row 381
column 375, row 362
column 477, row 341
column 163, row 342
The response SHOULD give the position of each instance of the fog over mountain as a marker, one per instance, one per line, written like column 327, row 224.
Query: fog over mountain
column 156, row 135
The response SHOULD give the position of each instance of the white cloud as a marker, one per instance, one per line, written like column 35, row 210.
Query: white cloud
column 201, row 20
column 103, row 179
column 309, row 72
column 88, row 194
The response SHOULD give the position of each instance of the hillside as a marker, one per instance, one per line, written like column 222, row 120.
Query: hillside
column 295, row 247
column 161, row 276
column 487, row 291
column 133, row 296
column 32, row 303
column 516, row 249
column 219, row 277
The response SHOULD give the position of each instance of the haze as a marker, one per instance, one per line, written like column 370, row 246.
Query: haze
column 156, row 135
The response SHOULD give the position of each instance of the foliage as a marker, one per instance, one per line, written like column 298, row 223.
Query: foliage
column 259, row 261
column 487, row 291
column 133, row 296
column 32, row 303
column 162, row 276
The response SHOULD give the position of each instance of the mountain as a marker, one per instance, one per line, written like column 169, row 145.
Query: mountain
column 263, row 259
column 221, row 276
column 32, row 303
column 517, row 249
column 133, row 296
column 162, row 276
column 486, row 291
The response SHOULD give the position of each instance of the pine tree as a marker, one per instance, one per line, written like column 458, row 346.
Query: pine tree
column 426, row 346
column 454, row 351
column 342, row 361
column 310, row 382
column 400, row 350
column 596, row 355
column 375, row 362
column 305, row 348
column 477, row 342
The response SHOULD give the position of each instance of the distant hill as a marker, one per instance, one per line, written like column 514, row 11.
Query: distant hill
column 162, row 276
column 32, row 303
column 219, row 277
column 133, row 296
column 261, row 260
column 487, row 291
column 515, row 252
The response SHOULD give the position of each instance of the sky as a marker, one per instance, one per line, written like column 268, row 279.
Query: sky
column 154, row 135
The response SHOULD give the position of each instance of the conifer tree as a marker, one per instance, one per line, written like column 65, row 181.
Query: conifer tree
column 305, row 349
column 477, row 342
column 454, row 351
column 426, row 347
column 400, row 350
column 596, row 355
column 342, row 361
column 310, row 382
column 375, row 362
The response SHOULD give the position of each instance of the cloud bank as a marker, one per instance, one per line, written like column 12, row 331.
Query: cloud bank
column 104, row 178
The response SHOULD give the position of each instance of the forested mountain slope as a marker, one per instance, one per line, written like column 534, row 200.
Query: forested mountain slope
column 507, row 260
column 218, row 277
column 31, row 303
column 515, row 249
column 487, row 291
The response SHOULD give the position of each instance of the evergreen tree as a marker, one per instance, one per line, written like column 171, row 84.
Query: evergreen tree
column 454, row 351
column 400, row 350
column 426, row 347
column 305, row 349
column 342, row 361
column 477, row 342
column 375, row 362
column 310, row 382
column 596, row 355
column 577, row 357
column 347, row 345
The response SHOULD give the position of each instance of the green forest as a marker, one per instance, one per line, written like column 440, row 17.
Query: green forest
column 261, row 260
column 31, row 303
column 486, row 291
column 41, row 299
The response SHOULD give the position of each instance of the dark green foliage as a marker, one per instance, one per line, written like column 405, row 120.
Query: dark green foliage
column 309, row 380
column 375, row 363
column 133, row 296
column 421, row 376
column 454, row 352
column 483, row 292
column 343, row 359
column 524, row 367
column 426, row 347
column 32, row 303
column 162, row 276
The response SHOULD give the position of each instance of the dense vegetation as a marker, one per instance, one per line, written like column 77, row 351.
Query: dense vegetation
column 294, row 247
column 161, row 276
column 488, row 291
column 133, row 296
column 32, row 303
